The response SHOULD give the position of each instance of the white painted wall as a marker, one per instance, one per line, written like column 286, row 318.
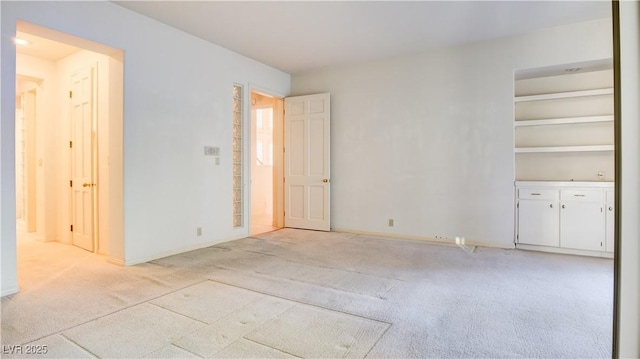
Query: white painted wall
column 629, row 299
column 428, row 139
column 177, row 99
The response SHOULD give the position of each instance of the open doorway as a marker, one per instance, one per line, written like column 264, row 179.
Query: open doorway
column 267, row 161
column 69, row 95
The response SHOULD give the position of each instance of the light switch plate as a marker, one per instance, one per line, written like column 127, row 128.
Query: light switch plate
column 211, row 151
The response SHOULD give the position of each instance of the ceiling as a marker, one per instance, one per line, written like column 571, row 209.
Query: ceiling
column 44, row 48
column 301, row 36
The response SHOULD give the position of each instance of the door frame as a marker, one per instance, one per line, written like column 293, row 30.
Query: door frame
column 278, row 156
column 108, row 98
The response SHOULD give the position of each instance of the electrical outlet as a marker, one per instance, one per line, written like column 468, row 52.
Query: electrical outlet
column 199, row 231
column 391, row 222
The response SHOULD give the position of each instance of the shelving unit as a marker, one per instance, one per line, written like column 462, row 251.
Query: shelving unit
column 598, row 148
column 563, row 123
column 560, row 95
column 564, row 163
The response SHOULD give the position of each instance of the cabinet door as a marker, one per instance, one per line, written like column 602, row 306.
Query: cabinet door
column 538, row 222
column 582, row 225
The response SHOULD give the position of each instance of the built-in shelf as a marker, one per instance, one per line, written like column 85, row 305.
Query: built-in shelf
column 596, row 148
column 563, row 124
column 564, row 121
column 560, row 95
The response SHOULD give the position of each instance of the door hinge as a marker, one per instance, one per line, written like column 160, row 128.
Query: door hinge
column 518, row 205
column 70, row 94
column 70, row 144
column 72, row 228
column 517, row 236
column 70, row 183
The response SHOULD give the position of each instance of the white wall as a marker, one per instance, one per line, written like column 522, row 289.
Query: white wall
column 629, row 251
column 177, row 99
column 428, row 139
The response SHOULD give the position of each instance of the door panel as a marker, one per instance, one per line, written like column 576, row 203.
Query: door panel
column 538, row 223
column 296, row 141
column 82, row 159
column 307, row 166
column 582, row 225
column 316, row 147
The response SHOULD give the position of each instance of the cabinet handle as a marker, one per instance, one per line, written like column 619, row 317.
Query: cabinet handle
column 579, row 195
column 563, row 206
column 535, row 194
column 551, row 205
column 611, row 208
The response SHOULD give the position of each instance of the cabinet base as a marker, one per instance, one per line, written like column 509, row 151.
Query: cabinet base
column 578, row 252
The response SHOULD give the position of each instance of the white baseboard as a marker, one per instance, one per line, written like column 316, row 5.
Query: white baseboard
column 445, row 241
column 131, row 262
column 116, row 261
column 578, row 252
column 9, row 291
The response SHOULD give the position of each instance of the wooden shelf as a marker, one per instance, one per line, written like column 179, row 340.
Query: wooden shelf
column 564, row 121
column 561, row 95
column 595, row 148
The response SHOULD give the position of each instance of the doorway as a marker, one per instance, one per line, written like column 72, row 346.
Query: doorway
column 267, row 160
column 25, row 155
column 69, row 97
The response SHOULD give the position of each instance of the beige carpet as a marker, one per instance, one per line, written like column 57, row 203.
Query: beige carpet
column 308, row 294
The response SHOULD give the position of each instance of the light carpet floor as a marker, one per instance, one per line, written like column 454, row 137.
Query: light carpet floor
column 307, row 294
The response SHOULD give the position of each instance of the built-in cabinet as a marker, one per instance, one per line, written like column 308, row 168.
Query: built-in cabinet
column 564, row 157
column 572, row 216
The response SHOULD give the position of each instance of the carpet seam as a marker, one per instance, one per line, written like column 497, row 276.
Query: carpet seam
column 276, row 349
column 314, row 265
column 300, row 302
column 110, row 313
column 309, row 283
column 185, row 349
column 380, row 338
column 77, row 344
column 180, row 314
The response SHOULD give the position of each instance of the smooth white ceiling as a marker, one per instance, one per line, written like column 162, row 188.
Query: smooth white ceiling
column 44, row 48
column 301, row 36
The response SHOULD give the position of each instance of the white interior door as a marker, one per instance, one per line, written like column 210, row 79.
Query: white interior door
column 82, row 159
column 307, row 166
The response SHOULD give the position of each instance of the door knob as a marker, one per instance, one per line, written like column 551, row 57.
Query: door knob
column 325, row 180
column 563, row 206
